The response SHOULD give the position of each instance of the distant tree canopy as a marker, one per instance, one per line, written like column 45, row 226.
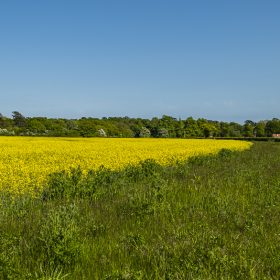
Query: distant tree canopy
column 163, row 127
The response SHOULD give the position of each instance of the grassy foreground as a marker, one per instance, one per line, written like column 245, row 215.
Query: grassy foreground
column 211, row 218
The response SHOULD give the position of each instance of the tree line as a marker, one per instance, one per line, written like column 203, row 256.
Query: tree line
column 164, row 127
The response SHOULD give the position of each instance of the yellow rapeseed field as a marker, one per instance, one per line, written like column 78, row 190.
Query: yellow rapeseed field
column 25, row 162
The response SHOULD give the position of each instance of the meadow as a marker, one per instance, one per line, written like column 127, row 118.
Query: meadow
column 211, row 216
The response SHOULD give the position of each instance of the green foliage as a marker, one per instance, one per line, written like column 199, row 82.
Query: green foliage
column 9, row 249
column 260, row 129
column 6, row 132
column 163, row 133
column 58, row 237
column 72, row 184
column 272, row 126
column 144, row 132
column 19, row 119
column 163, row 127
column 35, row 126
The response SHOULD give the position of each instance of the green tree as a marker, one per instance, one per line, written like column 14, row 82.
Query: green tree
column 35, row 125
column 5, row 122
column 249, row 128
column 192, row 128
column 272, row 126
column 87, row 127
column 224, row 129
column 260, row 129
column 144, row 132
column 163, row 133
column 19, row 119
column 169, row 123
column 235, row 129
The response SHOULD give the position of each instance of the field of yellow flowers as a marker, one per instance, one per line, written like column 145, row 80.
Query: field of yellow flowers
column 25, row 162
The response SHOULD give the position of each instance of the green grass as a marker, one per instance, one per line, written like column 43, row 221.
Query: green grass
column 210, row 218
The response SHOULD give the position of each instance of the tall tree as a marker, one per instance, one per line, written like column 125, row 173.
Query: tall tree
column 249, row 128
column 19, row 119
column 260, row 129
column 272, row 126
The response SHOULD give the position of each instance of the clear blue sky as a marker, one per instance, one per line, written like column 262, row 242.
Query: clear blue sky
column 217, row 59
